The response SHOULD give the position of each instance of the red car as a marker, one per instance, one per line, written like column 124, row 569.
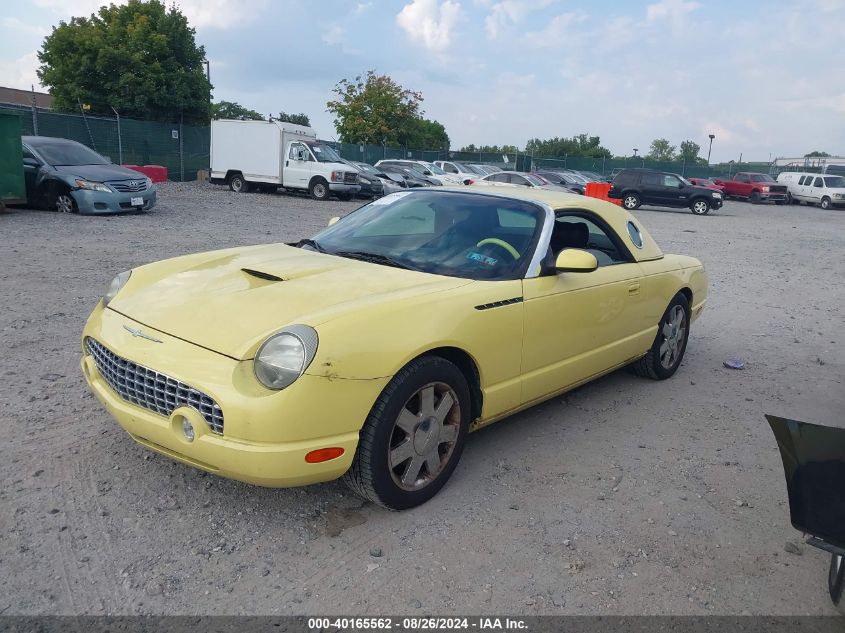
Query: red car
column 708, row 183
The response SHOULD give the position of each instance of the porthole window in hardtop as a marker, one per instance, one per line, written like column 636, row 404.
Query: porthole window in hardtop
column 636, row 236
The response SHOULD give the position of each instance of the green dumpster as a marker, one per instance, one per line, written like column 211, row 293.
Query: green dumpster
column 12, row 186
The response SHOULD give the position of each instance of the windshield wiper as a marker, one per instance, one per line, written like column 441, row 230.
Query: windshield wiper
column 313, row 244
column 374, row 258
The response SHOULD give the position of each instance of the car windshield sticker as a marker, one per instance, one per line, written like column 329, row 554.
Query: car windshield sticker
column 482, row 259
column 316, row 148
column 391, row 198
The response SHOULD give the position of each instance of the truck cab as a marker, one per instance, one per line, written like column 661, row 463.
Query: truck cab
column 266, row 155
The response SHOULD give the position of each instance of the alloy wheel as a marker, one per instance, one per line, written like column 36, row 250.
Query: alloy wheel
column 673, row 330
column 631, row 202
column 700, row 207
column 64, row 203
column 424, row 436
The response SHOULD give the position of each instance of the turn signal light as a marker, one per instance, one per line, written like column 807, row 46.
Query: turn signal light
column 323, row 455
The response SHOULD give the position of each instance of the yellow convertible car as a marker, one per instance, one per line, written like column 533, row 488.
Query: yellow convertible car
column 371, row 350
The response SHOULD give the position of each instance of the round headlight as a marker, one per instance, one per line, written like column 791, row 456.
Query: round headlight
column 116, row 284
column 283, row 357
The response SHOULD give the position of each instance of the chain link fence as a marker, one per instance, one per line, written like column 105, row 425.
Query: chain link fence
column 184, row 149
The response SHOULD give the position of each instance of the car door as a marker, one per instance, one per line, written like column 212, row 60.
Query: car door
column 816, row 190
column 578, row 325
column 298, row 166
column 31, row 165
column 651, row 188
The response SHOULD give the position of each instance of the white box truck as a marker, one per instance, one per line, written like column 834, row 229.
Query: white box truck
column 270, row 154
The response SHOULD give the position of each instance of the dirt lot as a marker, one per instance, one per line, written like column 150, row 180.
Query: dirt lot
column 627, row 496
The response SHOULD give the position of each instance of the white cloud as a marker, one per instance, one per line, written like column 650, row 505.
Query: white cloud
column 429, row 22
column 558, row 31
column 508, row 12
column 675, row 11
column 22, row 27
column 333, row 34
column 363, row 7
column 20, row 72
column 518, row 80
column 74, row 8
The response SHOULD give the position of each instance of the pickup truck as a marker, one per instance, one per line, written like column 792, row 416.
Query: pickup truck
column 755, row 187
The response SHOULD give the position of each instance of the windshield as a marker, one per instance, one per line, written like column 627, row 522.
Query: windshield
column 470, row 169
column 367, row 169
column 445, row 233
column 324, row 153
column 433, row 168
column 834, row 182
column 761, row 178
column 61, row 152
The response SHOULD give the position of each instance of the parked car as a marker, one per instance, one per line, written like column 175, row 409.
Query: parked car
column 390, row 183
column 823, row 190
column 463, row 172
column 613, row 173
column 69, row 177
column 519, row 179
column 430, row 172
column 708, row 183
column 636, row 186
column 487, row 169
column 754, row 187
column 373, row 348
column 271, row 154
column 411, row 177
column 371, row 184
column 591, row 176
column 575, row 184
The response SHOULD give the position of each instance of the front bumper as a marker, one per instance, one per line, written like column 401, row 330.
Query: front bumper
column 101, row 202
column 266, row 434
column 340, row 187
column 773, row 196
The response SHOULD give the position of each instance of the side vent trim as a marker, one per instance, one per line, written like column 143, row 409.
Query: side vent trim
column 261, row 275
column 499, row 304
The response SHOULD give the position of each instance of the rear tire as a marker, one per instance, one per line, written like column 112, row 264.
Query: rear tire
column 700, row 206
column 789, row 198
column 238, row 183
column 670, row 343
column 836, row 582
column 825, row 204
column 413, row 436
column 319, row 189
column 631, row 201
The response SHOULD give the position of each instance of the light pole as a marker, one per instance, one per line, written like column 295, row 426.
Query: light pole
column 635, row 151
column 712, row 136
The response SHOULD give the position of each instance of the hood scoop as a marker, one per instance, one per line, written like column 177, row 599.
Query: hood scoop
column 261, row 275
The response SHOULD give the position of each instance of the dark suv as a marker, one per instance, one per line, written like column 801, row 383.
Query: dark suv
column 662, row 188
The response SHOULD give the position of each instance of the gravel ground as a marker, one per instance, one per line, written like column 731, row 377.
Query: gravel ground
column 626, row 496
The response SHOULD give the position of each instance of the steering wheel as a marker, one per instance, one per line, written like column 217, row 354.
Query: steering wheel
column 495, row 241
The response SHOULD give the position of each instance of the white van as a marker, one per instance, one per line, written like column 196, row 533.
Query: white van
column 822, row 189
column 270, row 154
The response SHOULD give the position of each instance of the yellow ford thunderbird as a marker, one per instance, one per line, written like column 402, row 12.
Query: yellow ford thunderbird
column 372, row 349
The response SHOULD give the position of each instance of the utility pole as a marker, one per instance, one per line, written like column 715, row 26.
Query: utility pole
column 119, row 139
column 712, row 136
column 34, row 112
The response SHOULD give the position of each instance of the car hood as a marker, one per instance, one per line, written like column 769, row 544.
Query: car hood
column 230, row 301
column 99, row 173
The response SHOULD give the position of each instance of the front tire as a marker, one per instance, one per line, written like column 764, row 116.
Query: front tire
column 825, row 204
column 631, row 201
column 63, row 202
column 238, row 183
column 789, row 198
column 700, row 206
column 836, row 581
column 414, row 435
column 319, row 189
column 667, row 351
column 755, row 197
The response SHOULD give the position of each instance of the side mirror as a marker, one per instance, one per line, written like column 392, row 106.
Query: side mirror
column 680, row 185
column 574, row 260
column 427, row 172
column 334, row 220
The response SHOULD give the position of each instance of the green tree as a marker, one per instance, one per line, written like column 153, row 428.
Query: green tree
column 424, row 134
column 233, row 110
column 661, row 149
column 298, row 119
column 817, row 154
column 689, row 152
column 490, row 149
column 140, row 58
column 579, row 145
column 374, row 109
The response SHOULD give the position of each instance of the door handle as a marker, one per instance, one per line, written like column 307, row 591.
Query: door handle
column 634, row 289
column 287, row 162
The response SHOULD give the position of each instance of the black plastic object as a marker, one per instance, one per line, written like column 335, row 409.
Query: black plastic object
column 814, row 464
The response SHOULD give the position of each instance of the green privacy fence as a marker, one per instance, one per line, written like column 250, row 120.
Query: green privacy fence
column 182, row 149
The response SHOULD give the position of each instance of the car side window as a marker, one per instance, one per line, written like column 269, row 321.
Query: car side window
column 743, row 178
column 450, row 168
column 801, row 180
column 652, row 180
column 499, row 178
column 573, row 230
column 518, row 180
column 818, row 183
column 298, row 152
column 671, row 181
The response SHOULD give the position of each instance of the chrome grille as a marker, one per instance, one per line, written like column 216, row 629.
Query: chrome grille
column 129, row 186
column 150, row 389
column 350, row 178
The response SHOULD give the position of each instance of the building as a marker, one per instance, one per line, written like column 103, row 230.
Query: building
column 16, row 97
